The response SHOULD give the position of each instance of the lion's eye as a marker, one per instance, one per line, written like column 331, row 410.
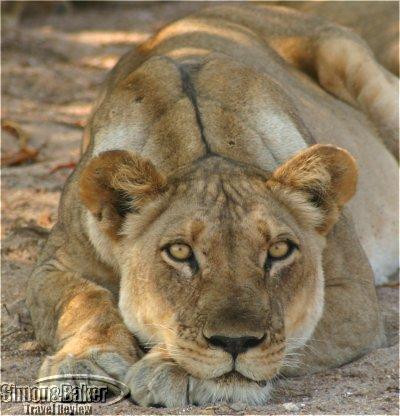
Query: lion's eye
column 179, row 251
column 279, row 250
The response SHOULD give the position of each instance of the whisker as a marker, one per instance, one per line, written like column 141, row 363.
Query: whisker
column 162, row 327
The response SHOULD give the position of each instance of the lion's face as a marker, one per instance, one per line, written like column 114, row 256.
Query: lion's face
column 223, row 274
column 221, row 263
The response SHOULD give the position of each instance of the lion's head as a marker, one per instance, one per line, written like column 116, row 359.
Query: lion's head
column 220, row 262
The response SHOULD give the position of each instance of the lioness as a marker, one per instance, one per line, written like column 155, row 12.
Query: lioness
column 204, row 224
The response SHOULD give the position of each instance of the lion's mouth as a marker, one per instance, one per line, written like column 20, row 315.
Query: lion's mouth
column 235, row 376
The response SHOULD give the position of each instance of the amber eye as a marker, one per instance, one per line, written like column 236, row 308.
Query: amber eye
column 179, row 251
column 279, row 249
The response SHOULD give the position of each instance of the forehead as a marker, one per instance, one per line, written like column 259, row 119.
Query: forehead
column 221, row 204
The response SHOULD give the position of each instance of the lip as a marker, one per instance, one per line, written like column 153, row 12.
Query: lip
column 234, row 375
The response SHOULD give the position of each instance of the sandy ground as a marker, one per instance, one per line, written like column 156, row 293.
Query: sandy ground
column 52, row 64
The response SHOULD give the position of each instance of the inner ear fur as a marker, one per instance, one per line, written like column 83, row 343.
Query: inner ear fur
column 326, row 175
column 117, row 182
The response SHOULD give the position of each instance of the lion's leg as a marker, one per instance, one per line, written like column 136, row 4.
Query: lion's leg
column 346, row 67
column 339, row 59
column 80, row 321
column 351, row 324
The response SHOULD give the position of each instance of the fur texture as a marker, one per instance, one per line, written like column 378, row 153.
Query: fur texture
column 205, row 136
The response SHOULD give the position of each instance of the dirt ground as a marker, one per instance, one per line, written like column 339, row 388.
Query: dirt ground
column 52, row 63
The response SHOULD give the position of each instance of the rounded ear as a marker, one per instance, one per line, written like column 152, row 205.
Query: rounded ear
column 117, row 182
column 326, row 175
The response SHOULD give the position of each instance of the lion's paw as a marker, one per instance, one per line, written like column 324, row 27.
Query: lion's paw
column 158, row 383
column 94, row 368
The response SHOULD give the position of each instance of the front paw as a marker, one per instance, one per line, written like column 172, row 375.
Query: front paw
column 157, row 381
column 61, row 369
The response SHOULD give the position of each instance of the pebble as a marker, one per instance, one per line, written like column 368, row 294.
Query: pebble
column 30, row 346
column 291, row 407
column 238, row 406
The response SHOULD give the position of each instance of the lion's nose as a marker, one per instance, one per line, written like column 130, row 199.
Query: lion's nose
column 234, row 346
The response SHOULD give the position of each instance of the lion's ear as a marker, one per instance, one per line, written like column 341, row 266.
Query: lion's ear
column 117, row 182
column 326, row 175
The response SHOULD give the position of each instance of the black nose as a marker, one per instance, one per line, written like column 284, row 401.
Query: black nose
column 234, row 346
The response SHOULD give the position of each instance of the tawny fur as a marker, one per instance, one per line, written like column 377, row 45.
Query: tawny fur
column 207, row 134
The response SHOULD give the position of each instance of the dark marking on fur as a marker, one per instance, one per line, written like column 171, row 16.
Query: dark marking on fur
column 190, row 91
column 124, row 204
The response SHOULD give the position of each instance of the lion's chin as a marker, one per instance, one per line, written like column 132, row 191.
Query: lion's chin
column 231, row 387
